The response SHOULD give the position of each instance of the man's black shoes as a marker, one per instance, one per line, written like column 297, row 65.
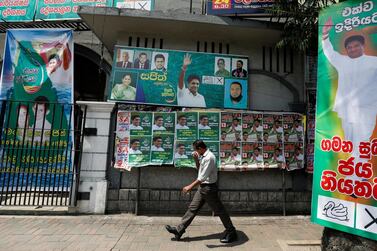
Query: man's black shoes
column 174, row 231
column 229, row 237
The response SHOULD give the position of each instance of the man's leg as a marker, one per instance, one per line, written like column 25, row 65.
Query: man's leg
column 212, row 198
column 194, row 207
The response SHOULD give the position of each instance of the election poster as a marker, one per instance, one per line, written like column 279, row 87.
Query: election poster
column 37, row 80
column 231, row 126
column 179, row 78
column 272, row 128
column 183, row 154
column 238, row 7
column 17, row 11
column 141, row 123
column 252, row 155
column 65, row 9
column 345, row 164
column 187, row 126
column 148, row 138
column 208, row 126
column 139, row 151
column 293, row 128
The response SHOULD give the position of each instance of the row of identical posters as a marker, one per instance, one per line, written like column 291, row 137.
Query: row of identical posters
column 37, row 89
column 345, row 164
column 29, row 10
column 179, row 78
column 239, row 140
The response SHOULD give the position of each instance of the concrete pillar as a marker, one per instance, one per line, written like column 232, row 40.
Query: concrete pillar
column 93, row 184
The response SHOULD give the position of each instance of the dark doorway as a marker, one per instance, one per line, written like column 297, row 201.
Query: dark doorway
column 90, row 75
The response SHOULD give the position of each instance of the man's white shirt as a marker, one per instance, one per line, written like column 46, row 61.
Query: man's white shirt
column 202, row 127
column 178, row 126
column 180, row 156
column 158, row 128
column 132, row 151
column 186, row 98
column 133, row 127
column 157, row 149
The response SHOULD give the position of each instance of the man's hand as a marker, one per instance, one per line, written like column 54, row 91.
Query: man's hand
column 195, row 155
column 186, row 60
column 186, row 189
column 326, row 28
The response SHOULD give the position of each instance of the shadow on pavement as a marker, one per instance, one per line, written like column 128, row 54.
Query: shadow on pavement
column 242, row 238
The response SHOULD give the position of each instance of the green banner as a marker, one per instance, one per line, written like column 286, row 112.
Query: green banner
column 65, row 9
column 183, row 154
column 187, row 126
column 141, row 123
column 162, row 149
column 345, row 181
column 139, row 150
column 17, row 10
column 208, row 126
column 179, row 78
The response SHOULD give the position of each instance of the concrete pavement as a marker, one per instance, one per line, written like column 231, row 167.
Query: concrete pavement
column 129, row 232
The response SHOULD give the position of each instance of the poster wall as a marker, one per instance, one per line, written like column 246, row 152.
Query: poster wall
column 156, row 138
column 37, row 82
column 179, row 78
column 345, row 180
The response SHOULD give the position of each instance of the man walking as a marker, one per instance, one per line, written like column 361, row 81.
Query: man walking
column 207, row 192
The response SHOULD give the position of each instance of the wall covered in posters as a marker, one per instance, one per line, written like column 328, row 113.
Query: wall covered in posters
column 37, row 82
column 240, row 140
column 345, row 180
column 179, row 78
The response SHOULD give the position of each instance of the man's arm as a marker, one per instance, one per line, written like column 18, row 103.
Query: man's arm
column 334, row 57
column 186, row 62
column 188, row 188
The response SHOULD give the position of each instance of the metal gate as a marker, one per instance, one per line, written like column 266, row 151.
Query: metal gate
column 40, row 153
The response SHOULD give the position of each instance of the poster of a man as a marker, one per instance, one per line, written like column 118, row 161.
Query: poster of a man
column 135, row 123
column 142, row 61
column 356, row 100
column 180, row 152
column 222, row 67
column 125, row 58
column 238, row 66
column 203, row 123
column 134, row 149
column 235, row 94
column 189, row 96
column 158, row 124
column 182, row 122
column 157, row 145
column 160, row 61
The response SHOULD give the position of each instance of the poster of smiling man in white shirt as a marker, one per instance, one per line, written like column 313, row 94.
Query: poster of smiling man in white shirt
column 187, row 126
column 189, row 96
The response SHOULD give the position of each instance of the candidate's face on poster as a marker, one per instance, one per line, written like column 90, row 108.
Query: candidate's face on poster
column 125, row 56
column 181, row 150
column 182, row 121
column 158, row 142
column 40, row 111
column 193, row 86
column 22, row 116
column 235, row 90
column 160, row 61
column 127, row 80
column 135, row 145
column 52, row 65
column 245, row 136
column 204, row 121
column 142, row 58
column 355, row 49
column 136, row 121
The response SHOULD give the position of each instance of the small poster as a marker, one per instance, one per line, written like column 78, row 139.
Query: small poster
column 187, row 126
column 163, row 123
column 293, row 128
column 231, row 126
column 208, row 126
column 294, row 155
column 139, row 150
column 230, row 155
column 252, row 155
column 183, row 154
column 162, row 149
column 273, row 155
column 141, row 123
column 272, row 128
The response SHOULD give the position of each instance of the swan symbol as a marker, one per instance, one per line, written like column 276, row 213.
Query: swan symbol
column 338, row 212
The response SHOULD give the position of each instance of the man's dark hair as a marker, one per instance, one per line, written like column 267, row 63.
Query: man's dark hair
column 192, row 77
column 236, row 119
column 240, row 61
column 266, row 133
column 135, row 117
column 179, row 145
column 134, row 141
column 245, row 133
column 357, row 38
column 181, row 116
column 159, row 56
column 54, row 56
column 221, row 59
column 157, row 118
column 235, row 148
column 156, row 138
column 199, row 144
column 42, row 100
column 203, row 116
column 236, row 83
column 143, row 53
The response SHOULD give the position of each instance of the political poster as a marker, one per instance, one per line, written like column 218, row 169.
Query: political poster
column 166, row 137
column 208, row 126
column 187, row 126
column 179, row 78
column 293, row 128
column 345, row 164
column 272, row 128
column 37, row 80
column 238, row 7
column 17, row 11
column 65, row 9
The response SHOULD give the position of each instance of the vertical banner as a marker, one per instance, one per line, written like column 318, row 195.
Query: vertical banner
column 37, row 81
column 345, row 181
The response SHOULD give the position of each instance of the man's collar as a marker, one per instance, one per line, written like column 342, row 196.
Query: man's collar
column 205, row 153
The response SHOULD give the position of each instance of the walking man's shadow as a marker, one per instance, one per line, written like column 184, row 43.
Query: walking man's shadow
column 242, row 238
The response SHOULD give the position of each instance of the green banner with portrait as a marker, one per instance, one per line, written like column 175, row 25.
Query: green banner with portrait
column 179, row 78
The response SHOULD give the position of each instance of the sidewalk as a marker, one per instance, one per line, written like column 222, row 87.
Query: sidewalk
column 128, row 232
